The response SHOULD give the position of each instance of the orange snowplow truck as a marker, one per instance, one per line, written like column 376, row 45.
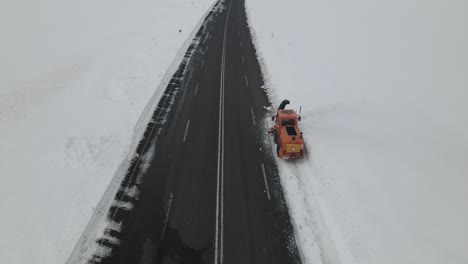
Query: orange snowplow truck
column 286, row 133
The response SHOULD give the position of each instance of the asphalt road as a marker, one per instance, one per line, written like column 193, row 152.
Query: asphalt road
column 210, row 193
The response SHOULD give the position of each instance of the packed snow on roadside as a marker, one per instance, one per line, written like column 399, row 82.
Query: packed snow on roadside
column 383, row 87
column 75, row 77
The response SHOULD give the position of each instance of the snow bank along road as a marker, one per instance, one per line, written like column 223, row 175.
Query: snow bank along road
column 210, row 192
column 383, row 89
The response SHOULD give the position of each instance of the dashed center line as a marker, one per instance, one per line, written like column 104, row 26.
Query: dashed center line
column 246, row 81
column 196, row 89
column 266, row 182
column 243, row 59
column 167, row 216
column 240, row 43
column 186, row 130
column 253, row 115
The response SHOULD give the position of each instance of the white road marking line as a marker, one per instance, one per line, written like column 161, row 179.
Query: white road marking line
column 186, row 130
column 243, row 59
column 220, row 171
column 266, row 182
column 239, row 33
column 253, row 115
column 196, row 89
column 240, row 43
column 246, row 81
column 221, row 242
column 167, row 216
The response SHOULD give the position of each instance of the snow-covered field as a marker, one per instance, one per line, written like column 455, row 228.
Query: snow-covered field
column 75, row 77
column 384, row 88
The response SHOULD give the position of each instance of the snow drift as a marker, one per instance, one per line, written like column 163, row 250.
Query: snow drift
column 383, row 88
column 75, row 78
